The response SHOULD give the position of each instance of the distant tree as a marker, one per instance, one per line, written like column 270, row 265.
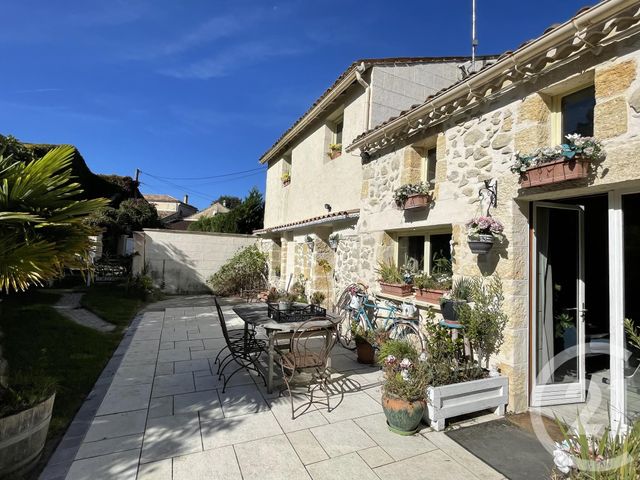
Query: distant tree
column 132, row 215
column 245, row 218
column 228, row 201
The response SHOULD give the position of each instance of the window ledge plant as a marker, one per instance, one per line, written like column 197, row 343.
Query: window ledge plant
column 567, row 161
column 392, row 280
column 482, row 232
column 286, row 178
column 412, row 195
column 335, row 150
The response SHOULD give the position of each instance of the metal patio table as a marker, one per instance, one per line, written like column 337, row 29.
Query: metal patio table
column 255, row 314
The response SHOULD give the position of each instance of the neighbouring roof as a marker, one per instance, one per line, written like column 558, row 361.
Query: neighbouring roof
column 159, row 197
column 592, row 27
column 343, row 82
column 163, row 214
column 208, row 212
column 328, row 218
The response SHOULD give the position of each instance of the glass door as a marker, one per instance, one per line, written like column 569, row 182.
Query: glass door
column 558, row 366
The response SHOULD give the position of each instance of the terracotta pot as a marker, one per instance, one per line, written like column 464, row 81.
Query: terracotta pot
column 554, row 172
column 366, row 352
column 429, row 295
column 480, row 244
column 334, row 154
column 400, row 289
column 403, row 416
column 420, row 200
column 286, row 182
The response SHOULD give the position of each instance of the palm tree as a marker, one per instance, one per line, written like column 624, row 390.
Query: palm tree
column 41, row 220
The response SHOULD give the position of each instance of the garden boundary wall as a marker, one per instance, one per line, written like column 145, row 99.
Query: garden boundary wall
column 181, row 262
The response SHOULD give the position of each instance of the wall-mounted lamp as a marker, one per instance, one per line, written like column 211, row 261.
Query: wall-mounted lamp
column 328, row 207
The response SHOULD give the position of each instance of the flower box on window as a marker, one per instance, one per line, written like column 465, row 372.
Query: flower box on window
column 412, row 196
column 399, row 289
column 554, row 172
column 564, row 162
column 429, row 295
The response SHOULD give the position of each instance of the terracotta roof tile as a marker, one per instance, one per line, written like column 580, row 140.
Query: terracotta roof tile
column 369, row 62
column 341, row 215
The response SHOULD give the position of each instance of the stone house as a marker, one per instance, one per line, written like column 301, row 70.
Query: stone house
column 313, row 186
column 171, row 211
column 571, row 247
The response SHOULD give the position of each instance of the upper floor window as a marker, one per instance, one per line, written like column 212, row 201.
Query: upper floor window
column 337, row 132
column 574, row 114
column 430, row 160
column 286, row 169
column 335, row 125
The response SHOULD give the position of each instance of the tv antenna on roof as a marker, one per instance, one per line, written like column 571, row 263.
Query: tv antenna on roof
column 474, row 39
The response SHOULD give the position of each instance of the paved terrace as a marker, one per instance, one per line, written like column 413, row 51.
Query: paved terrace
column 158, row 412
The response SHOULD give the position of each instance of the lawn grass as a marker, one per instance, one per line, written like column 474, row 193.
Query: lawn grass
column 37, row 340
column 40, row 341
column 112, row 303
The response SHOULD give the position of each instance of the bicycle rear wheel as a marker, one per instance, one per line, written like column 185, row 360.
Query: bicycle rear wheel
column 407, row 332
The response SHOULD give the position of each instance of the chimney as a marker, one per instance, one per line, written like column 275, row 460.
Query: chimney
column 185, row 199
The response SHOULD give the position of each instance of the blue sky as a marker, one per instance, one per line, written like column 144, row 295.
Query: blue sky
column 203, row 88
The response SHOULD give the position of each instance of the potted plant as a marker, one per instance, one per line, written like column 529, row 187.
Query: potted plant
column 392, row 280
column 412, row 196
column 458, row 385
column 334, row 238
column 317, row 298
column 404, row 386
column 482, row 232
column 460, row 293
column 335, row 150
column 286, row 178
column 285, row 301
column 431, row 288
column 365, row 344
column 568, row 161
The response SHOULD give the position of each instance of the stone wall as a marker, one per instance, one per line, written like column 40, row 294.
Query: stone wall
column 479, row 146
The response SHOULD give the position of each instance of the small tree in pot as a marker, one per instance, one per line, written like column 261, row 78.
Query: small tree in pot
column 483, row 319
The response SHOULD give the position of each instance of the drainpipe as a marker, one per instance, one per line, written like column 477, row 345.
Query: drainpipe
column 360, row 69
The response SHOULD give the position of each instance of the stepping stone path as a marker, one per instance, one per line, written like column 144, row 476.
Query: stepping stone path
column 69, row 306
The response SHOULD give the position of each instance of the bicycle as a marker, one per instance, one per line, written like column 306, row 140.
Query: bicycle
column 364, row 310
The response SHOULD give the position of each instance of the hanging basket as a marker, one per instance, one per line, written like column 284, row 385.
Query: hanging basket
column 480, row 244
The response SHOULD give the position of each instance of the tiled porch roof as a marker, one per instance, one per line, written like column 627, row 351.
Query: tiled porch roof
column 323, row 219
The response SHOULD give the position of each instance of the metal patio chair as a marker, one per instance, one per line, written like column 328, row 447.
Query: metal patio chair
column 245, row 353
column 235, row 335
column 308, row 353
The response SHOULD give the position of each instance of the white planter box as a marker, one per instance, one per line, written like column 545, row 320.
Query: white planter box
column 467, row 397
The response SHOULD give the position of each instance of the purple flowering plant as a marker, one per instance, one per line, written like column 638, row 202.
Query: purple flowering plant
column 484, row 225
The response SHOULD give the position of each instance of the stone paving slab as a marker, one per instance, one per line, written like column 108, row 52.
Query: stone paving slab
column 69, row 306
column 158, row 413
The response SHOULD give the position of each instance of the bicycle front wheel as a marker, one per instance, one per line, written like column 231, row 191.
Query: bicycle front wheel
column 407, row 332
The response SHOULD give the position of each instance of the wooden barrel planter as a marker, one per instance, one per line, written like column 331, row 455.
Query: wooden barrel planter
column 22, row 437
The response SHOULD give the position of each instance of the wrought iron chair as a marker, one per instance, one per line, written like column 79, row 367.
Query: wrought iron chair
column 235, row 335
column 245, row 352
column 309, row 349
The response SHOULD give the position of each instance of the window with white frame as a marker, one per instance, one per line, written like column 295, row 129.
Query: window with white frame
column 286, row 169
column 424, row 249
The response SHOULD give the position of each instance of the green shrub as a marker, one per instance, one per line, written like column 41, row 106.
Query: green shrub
column 389, row 272
column 25, row 391
column 246, row 269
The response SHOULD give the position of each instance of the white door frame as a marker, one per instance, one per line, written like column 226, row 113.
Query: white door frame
column 560, row 393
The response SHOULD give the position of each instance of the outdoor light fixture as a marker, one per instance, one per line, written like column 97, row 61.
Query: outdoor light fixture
column 328, row 207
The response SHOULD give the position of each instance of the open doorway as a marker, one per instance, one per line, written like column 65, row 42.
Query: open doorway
column 571, row 325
